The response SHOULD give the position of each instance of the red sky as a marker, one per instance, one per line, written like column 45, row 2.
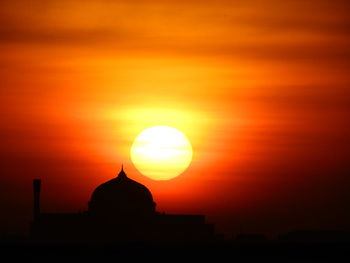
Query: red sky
column 261, row 88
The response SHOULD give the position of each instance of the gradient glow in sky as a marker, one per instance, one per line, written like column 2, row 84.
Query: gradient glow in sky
column 261, row 89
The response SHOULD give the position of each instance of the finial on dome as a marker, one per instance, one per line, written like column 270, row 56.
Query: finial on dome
column 122, row 174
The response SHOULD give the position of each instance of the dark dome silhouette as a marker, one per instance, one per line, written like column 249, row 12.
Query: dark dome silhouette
column 121, row 197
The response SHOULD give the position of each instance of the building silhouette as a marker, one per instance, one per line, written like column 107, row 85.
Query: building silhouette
column 119, row 210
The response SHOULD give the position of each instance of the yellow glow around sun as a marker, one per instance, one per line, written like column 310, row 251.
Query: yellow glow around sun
column 161, row 152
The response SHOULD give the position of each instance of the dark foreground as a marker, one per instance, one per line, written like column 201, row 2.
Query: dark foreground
column 223, row 251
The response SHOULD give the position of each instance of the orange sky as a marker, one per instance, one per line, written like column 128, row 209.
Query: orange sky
column 261, row 88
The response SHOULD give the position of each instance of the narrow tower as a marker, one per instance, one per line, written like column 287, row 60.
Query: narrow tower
column 36, row 192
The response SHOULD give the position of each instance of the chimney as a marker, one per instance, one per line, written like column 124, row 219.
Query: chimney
column 36, row 192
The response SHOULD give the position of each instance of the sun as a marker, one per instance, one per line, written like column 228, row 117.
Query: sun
column 161, row 152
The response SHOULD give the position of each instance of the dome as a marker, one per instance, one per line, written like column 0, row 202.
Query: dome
column 121, row 197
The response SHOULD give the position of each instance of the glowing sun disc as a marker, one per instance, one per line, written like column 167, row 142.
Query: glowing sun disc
column 161, row 152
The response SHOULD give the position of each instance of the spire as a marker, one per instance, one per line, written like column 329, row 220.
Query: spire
column 122, row 174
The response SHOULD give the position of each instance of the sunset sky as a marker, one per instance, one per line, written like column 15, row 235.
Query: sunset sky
column 260, row 88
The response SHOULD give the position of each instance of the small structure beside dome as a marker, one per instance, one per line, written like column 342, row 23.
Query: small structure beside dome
column 119, row 210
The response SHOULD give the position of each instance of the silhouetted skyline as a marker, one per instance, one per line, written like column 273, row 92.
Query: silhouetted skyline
column 120, row 210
